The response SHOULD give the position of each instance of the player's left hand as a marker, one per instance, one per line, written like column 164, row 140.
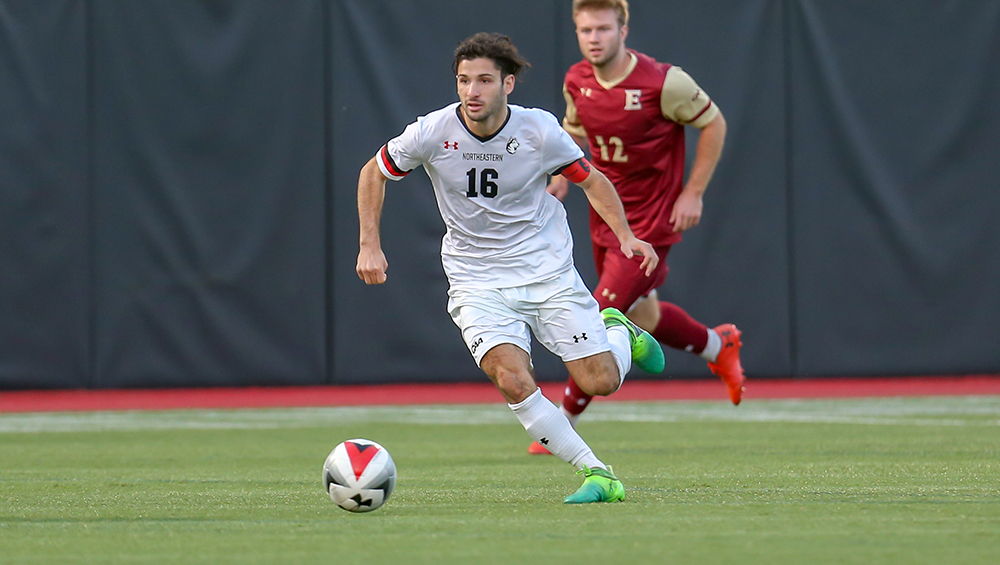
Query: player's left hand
column 687, row 211
column 634, row 246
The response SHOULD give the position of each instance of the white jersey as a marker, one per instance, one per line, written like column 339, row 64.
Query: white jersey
column 503, row 228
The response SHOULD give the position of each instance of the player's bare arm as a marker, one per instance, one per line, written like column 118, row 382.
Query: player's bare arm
column 604, row 199
column 688, row 207
column 371, row 265
column 559, row 185
column 581, row 141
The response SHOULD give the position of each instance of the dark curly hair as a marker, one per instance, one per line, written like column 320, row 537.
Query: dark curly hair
column 494, row 46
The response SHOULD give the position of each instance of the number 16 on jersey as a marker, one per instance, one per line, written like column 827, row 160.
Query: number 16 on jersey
column 486, row 186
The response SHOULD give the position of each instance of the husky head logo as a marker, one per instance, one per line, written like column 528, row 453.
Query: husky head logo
column 512, row 145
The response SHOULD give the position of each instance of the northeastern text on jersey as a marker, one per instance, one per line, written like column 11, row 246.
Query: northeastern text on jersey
column 482, row 157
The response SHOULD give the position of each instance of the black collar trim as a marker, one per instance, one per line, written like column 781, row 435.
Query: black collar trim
column 458, row 112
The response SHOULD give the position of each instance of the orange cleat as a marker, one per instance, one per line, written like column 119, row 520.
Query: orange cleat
column 538, row 449
column 727, row 365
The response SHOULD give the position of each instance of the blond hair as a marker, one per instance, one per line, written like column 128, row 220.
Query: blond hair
column 619, row 6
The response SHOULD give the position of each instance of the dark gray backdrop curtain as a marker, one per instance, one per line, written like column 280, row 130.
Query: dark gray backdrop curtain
column 208, row 180
column 45, row 230
column 177, row 186
column 895, row 177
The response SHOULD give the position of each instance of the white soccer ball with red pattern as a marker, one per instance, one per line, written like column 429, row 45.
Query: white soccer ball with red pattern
column 359, row 475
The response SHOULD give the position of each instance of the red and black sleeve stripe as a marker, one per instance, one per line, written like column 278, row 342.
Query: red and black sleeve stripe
column 389, row 164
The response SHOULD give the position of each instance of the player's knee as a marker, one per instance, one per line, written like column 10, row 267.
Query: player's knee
column 514, row 385
column 602, row 383
column 596, row 375
column 607, row 384
column 645, row 313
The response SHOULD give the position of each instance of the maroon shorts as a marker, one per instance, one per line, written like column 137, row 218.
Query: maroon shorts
column 621, row 283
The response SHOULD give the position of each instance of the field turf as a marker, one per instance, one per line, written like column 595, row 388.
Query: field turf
column 890, row 480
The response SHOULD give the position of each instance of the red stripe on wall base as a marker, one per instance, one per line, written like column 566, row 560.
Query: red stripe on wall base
column 478, row 393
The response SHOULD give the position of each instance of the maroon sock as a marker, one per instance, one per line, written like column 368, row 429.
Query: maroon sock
column 679, row 330
column 575, row 401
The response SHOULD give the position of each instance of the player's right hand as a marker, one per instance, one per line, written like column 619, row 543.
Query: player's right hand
column 558, row 187
column 372, row 265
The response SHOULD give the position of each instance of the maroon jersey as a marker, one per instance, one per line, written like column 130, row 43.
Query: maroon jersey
column 635, row 126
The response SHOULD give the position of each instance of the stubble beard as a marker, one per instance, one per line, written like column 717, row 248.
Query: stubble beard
column 488, row 111
column 609, row 55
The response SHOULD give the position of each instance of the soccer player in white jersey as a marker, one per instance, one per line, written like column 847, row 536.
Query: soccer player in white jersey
column 507, row 248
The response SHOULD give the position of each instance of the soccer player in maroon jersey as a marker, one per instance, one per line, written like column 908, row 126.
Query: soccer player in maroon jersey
column 631, row 111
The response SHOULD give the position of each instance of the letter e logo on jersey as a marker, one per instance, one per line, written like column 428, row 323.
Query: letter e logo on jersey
column 633, row 100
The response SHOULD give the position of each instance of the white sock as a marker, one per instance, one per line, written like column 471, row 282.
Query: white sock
column 712, row 348
column 547, row 425
column 621, row 350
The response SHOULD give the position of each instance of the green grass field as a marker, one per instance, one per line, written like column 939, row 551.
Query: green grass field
column 829, row 481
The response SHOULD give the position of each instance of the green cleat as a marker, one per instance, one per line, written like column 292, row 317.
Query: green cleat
column 646, row 351
column 600, row 485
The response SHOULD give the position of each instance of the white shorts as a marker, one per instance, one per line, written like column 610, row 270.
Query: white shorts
column 561, row 312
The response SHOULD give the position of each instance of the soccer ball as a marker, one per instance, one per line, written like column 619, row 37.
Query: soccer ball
column 359, row 475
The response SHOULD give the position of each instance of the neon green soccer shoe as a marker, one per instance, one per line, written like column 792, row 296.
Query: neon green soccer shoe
column 600, row 485
column 646, row 351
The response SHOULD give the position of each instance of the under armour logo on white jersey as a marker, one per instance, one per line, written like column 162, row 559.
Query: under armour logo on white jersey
column 633, row 100
column 451, row 145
